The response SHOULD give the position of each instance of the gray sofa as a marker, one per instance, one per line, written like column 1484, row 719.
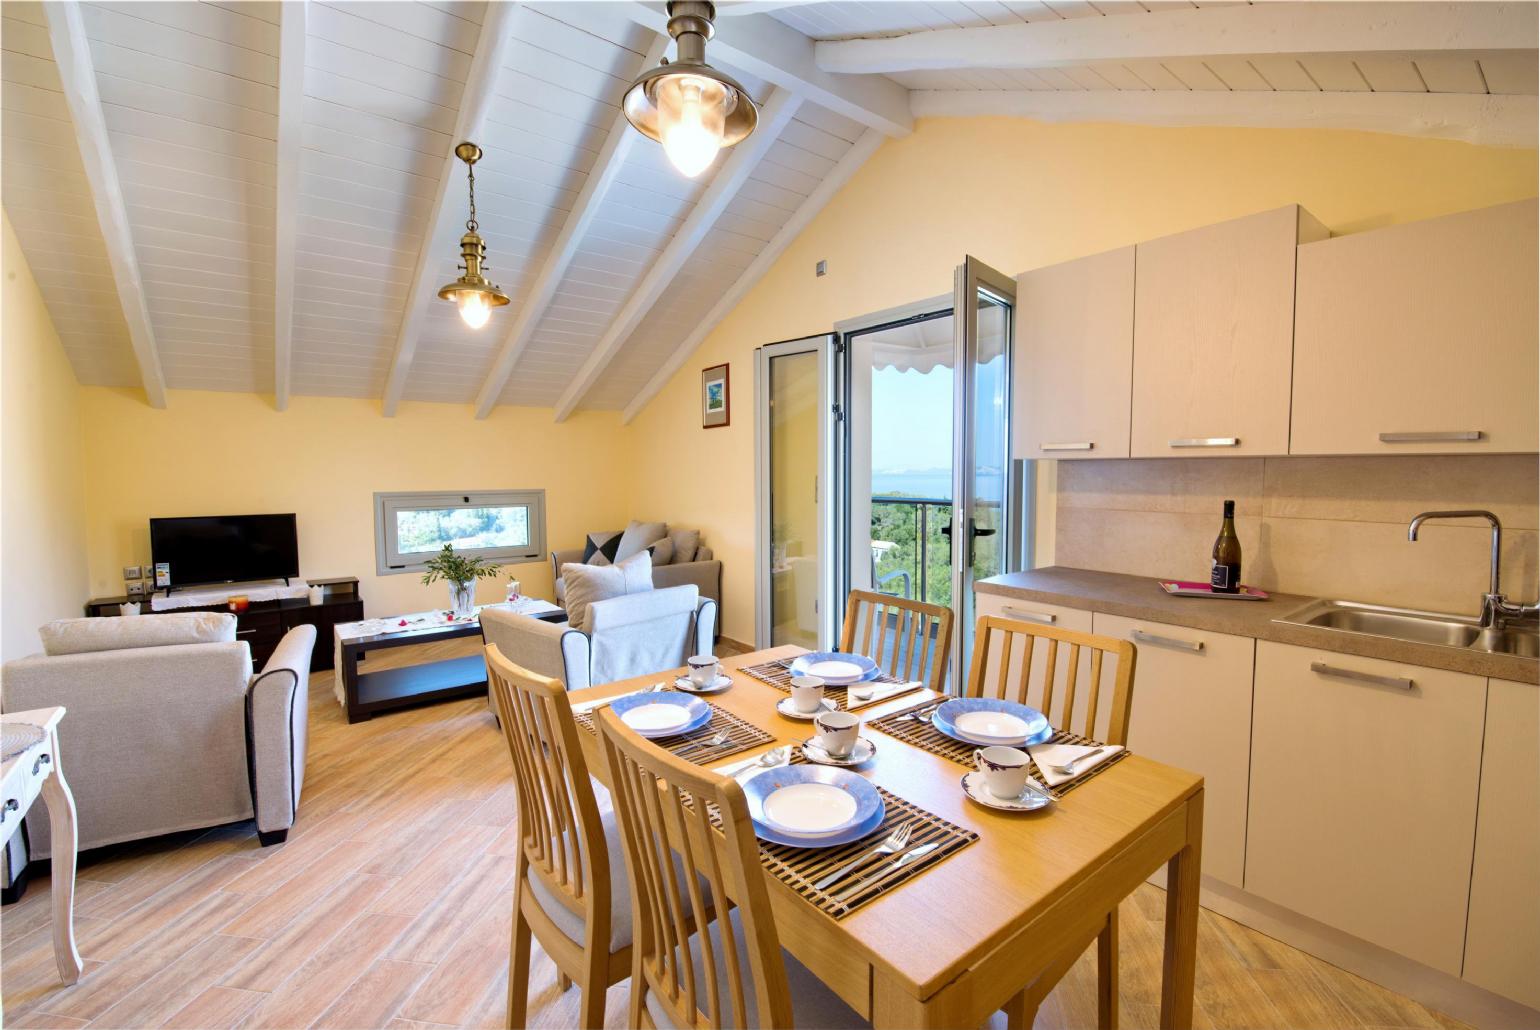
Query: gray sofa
column 166, row 728
column 703, row 573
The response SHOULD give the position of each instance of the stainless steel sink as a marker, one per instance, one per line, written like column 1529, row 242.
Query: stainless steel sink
column 1417, row 626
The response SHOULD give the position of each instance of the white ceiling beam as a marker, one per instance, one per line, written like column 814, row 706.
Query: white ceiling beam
column 779, row 54
column 840, row 174
column 492, row 47
column 1247, row 30
column 612, row 156
column 1472, row 118
column 72, row 54
column 734, row 172
column 291, row 108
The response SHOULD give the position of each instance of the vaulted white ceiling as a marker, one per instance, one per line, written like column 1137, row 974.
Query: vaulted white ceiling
column 252, row 196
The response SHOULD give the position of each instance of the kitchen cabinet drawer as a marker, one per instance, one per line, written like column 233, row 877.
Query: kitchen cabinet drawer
column 1214, row 337
column 1425, row 332
column 1192, row 709
column 1364, row 777
column 1502, row 943
column 1037, row 614
column 1074, row 359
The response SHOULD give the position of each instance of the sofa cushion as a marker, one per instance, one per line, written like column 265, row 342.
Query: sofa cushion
column 120, row 632
column 662, row 552
column 638, row 536
column 704, row 553
column 599, row 548
column 586, row 584
column 685, row 541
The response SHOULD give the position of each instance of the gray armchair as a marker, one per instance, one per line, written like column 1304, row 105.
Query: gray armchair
column 634, row 635
column 165, row 726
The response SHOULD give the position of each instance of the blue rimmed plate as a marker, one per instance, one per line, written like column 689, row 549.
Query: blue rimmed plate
column 808, row 806
column 662, row 714
column 835, row 668
column 987, row 720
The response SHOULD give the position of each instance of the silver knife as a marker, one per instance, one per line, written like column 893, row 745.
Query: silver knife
column 896, row 864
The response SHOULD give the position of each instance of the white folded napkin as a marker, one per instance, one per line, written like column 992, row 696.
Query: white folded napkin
column 1049, row 755
column 881, row 692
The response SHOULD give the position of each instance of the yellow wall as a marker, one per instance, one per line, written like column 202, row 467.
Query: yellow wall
column 42, row 477
column 1018, row 195
column 324, row 458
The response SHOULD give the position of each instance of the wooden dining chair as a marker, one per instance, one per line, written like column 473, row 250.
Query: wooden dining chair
column 1004, row 666
column 919, row 641
column 564, row 894
column 726, row 968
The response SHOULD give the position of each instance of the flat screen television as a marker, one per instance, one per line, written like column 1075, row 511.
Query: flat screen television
column 225, row 548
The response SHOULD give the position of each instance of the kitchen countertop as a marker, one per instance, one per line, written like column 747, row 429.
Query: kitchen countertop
column 1140, row 597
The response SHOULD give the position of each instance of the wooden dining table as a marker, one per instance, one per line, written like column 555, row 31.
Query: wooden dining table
column 957, row 942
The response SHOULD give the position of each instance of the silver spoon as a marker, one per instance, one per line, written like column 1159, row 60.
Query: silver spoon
column 1068, row 768
column 768, row 760
column 716, row 741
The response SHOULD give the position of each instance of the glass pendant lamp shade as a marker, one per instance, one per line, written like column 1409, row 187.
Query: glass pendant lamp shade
column 473, row 293
column 693, row 109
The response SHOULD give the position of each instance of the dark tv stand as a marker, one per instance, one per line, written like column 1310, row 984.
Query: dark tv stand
column 264, row 623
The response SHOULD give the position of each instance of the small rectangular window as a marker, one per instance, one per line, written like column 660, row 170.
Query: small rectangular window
column 502, row 526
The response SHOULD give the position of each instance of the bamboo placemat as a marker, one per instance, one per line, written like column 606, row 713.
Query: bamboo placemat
column 778, row 674
column 927, row 738
column 741, row 736
column 800, row 868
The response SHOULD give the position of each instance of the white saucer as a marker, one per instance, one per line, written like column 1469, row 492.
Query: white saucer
column 1028, row 801
column 786, row 708
column 721, row 683
column 864, row 751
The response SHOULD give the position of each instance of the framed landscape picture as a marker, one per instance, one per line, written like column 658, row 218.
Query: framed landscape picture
column 716, row 400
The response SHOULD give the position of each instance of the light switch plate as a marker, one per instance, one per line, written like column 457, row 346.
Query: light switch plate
column 131, row 572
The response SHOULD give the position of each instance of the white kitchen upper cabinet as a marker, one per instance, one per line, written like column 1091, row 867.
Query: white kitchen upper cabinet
column 1074, row 359
column 1420, row 338
column 1364, row 778
column 1502, row 945
column 1192, row 709
column 1214, row 336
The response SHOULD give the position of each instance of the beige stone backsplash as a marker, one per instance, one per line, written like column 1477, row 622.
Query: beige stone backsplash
column 1330, row 527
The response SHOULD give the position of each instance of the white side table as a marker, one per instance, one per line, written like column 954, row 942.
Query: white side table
column 24, row 778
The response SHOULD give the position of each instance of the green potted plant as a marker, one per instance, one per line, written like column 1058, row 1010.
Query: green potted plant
column 461, row 573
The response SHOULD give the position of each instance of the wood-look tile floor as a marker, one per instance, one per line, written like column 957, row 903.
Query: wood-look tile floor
column 390, row 904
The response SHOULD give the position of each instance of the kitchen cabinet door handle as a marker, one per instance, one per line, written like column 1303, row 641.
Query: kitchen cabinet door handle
column 244, row 632
column 1208, row 441
column 1045, row 618
column 1195, row 646
column 1085, row 446
column 1458, row 436
column 1402, row 682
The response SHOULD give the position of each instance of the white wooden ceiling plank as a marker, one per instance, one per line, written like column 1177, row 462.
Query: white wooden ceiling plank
column 386, row 105
column 513, row 142
column 423, row 20
column 1510, row 74
column 1391, row 74
column 151, row 97
column 1451, row 74
column 1334, row 73
column 788, row 179
column 341, row 26
column 320, row 165
column 128, row 121
column 158, row 235
column 1058, row 80
column 400, row 219
column 119, row 27
column 333, row 117
column 1074, row 9
column 27, row 11
column 486, row 67
column 354, row 254
column 606, row 21
column 1237, row 73
column 210, row 84
column 315, row 138
column 519, row 87
column 172, row 254
column 174, row 160
column 382, row 73
column 294, row 37
column 217, row 23
column 33, row 129
column 1284, row 73
column 22, row 37
column 1033, row 11
column 72, row 54
column 515, row 114
column 1087, row 77
column 28, row 70
column 1194, row 74
column 814, row 203
column 538, row 32
column 240, row 232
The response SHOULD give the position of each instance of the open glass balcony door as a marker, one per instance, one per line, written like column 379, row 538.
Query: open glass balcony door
column 796, row 493
column 986, row 528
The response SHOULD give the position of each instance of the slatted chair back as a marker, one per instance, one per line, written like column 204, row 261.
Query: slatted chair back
column 909, row 640
column 560, row 834
column 1043, row 666
column 680, row 864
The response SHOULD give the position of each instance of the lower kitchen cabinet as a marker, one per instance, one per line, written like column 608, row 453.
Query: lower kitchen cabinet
column 1364, row 780
column 1502, row 942
column 1192, row 709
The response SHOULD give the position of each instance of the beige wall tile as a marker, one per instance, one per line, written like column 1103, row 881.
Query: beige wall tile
column 1393, row 489
column 1194, row 485
column 1172, row 545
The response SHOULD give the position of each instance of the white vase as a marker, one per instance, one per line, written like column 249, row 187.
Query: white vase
column 462, row 598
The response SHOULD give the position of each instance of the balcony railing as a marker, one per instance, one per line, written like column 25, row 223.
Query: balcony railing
column 919, row 562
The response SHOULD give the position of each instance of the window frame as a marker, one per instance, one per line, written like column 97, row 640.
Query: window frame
column 388, row 561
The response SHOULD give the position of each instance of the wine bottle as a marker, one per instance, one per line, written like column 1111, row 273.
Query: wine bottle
column 1225, row 577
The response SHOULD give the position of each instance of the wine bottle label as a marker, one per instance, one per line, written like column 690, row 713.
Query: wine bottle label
column 1219, row 578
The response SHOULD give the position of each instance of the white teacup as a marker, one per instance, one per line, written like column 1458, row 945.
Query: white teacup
column 703, row 670
column 1004, row 769
column 806, row 694
column 837, row 732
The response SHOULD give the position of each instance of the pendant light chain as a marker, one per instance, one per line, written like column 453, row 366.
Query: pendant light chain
column 470, row 223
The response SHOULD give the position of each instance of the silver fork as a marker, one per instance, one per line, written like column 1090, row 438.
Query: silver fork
column 922, row 716
column 1068, row 768
column 716, row 741
column 894, row 843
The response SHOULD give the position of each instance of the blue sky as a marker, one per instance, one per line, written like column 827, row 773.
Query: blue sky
column 911, row 421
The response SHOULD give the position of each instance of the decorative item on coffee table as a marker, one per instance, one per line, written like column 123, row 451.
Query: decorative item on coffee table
column 461, row 573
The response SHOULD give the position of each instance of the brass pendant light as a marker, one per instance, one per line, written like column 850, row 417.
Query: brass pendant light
column 473, row 293
column 693, row 109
